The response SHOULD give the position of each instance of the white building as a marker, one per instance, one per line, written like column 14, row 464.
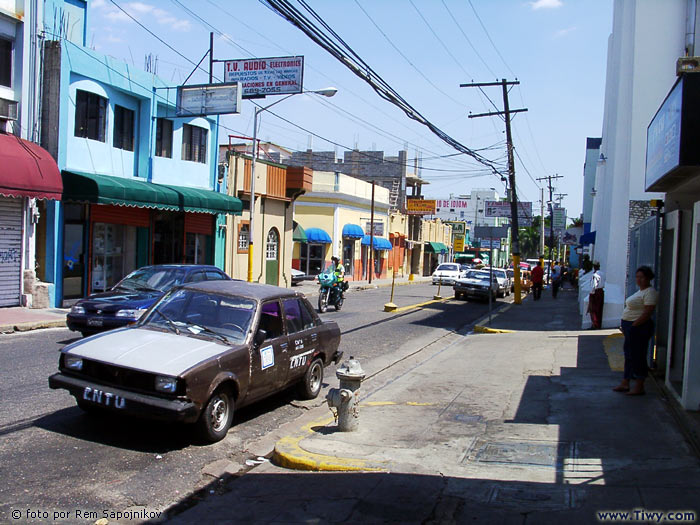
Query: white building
column 468, row 208
column 646, row 40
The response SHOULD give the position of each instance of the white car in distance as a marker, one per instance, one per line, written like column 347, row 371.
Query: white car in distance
column 447, row 273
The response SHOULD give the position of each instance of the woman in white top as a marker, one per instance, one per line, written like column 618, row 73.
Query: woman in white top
column 637, row 326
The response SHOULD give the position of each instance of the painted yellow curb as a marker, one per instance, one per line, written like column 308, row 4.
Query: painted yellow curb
column 486, row 330
column 419, row 305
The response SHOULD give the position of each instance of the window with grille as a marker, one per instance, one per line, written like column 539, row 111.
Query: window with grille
column 243, row 237
column 90, row 115
column 5, row 62
column 272, row 245
column 194, row 143
column 123, row 128
column 164, row 138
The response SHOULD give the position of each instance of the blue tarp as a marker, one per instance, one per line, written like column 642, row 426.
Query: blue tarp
column 380, row 243
column 587, row 238
column 317, row 235
column 353, row 231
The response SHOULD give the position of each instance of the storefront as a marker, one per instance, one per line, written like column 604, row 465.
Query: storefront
column 27, row 172
column 111, row 226
column 352, row 233
column 381, row 248
column 435, row 253
column 313, row 252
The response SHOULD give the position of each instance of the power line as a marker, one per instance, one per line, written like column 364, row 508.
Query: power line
column 467, row 38
column 490, row 39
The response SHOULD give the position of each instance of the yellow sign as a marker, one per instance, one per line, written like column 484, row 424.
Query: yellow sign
column 420, row 207
column 458, row 244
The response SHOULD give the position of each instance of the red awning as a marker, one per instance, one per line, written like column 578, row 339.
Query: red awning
column 27, row 170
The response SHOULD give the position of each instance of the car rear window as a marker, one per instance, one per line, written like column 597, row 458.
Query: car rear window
column 448, row 268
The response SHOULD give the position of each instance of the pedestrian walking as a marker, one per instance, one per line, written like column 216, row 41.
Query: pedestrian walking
column 596, row 298
column 637, row 327
column 537, row 277
column 556, row 279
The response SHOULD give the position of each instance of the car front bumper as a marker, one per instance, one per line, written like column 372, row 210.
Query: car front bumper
column 81, row 323
column 471, row 292
column 141, row 405
column 444, row 280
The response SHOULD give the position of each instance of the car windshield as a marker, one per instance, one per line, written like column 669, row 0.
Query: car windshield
column 194, row 312
column 153, row 278
column 482, row 276
column 448, row 268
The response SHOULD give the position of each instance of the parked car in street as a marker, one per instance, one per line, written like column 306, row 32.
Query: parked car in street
column 202, row 351
column 129, row 299
column 475, row 285
column 447, row 273
column 504, row 282
column 298, row 276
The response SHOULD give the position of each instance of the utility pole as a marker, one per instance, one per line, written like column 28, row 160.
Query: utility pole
column 560, row 197
column 507, row 112
column 211, row 57
column 371, row 237
column 549, row 179
column 542, row 228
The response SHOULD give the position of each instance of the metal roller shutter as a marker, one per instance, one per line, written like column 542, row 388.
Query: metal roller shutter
column 10, row 250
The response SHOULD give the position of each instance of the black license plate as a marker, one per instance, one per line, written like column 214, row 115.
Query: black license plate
column 94, row 322
column 102, row 397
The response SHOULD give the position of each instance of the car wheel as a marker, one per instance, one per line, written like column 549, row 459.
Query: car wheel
column 310, row 386
column 501, row 294
column 216, row 418
column 458, row 295
column 88, row 408
column 85, row 333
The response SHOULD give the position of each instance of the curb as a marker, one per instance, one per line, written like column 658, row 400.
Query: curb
column 289, row 454
column 486, row 330
column 32, row 325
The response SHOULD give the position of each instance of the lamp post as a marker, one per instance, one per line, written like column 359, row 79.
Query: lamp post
column 326, row 92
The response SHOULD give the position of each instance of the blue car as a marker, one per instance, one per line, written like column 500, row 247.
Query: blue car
column 129, row 299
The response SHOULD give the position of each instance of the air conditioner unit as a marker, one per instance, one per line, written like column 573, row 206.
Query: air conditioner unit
column 8, row 109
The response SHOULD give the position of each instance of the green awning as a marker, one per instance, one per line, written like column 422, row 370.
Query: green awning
column 298, row 235
column 106, row 189
column 436, row 247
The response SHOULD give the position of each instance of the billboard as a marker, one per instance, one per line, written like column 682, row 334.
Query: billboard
column 208, row 99
column 664, row 137
column 452, row 204
column 458, row 227
column 502, row 209
column 559, row 219
column 491, row 244
column 266, row 76
column 378, row 228
column 420, row 207
column 458, row 243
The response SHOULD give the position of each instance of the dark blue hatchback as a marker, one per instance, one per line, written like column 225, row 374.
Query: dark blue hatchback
column 133, row 295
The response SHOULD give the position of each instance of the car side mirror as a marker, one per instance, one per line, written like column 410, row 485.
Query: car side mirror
column 260, row 336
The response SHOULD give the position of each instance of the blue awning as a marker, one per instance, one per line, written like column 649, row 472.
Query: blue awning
column 380, row 243
column 317, row 235
column 587, row 238
column 353, row 231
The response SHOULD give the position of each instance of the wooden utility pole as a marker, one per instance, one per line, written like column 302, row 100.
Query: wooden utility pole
column 549, row 179
column 507, row 112
column 370, row 268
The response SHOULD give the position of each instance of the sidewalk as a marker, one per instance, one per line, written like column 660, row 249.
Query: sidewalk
column 491, row 428
column 20, row 319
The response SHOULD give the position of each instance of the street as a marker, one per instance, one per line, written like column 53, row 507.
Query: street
column 55, row 457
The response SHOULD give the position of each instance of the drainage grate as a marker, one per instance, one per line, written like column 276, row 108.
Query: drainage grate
column 536, row 497
column 533, row 453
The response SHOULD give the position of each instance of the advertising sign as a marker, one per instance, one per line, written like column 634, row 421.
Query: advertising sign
column 491, row 232
column 569, row 238
column 664, row 137
column 208, row 99
column 559, row 219
column 491, row 243
column 458, row 227
column 502, row 209
column 266, row 76
column 452, row 204
column 378, row 228
column 458, row 243
column 420, row 207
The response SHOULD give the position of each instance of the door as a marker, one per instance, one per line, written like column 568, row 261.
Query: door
column 348, row 257
column 302, row 336
column 10, row 250
column 269, row 359
column 272, row 263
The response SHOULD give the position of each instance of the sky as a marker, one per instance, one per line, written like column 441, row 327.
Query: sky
column 424, row 48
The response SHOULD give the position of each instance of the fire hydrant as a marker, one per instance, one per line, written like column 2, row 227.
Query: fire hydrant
column 346, row 398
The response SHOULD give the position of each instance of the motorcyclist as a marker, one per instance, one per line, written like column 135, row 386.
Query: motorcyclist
column 338, row 270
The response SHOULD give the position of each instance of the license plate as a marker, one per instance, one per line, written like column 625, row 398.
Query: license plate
column 94, row 322
column 102, row 397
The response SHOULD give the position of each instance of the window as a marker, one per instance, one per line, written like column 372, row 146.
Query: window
column 123, row 128
column 5, row 62
column 164, row 138
column 292, row 313
column 243, row 237
column 307, row 317
column 195, row 277
column 271, row 320
column 214, row 276
column 272, row 245
column 194, row 143
column 90, row 116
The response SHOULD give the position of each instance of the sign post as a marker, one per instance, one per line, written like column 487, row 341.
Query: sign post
column 491, row 233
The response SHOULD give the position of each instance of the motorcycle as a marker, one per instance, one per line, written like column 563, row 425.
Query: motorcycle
column 332, row 291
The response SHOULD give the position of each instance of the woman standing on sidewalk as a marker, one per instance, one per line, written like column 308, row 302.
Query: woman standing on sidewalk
column 637, row 327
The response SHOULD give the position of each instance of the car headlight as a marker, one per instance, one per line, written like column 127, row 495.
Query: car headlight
column 77, row 309
column 131, row 313
column 166, row 384
column 73, row 362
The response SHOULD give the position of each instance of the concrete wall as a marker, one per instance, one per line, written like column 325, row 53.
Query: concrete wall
column 589, row 168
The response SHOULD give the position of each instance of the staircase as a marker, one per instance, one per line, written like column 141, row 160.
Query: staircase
column 394, row 193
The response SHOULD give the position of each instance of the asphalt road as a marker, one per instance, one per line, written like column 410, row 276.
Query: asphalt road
column 55, row 458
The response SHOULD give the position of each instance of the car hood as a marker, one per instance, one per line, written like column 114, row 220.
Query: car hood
column 474, row 281
column 118, row 300
column 148, row 350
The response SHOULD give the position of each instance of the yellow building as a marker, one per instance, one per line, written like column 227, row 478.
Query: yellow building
column 334, row 220
column 276, row 187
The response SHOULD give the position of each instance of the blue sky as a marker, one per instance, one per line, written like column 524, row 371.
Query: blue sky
column 556, row 48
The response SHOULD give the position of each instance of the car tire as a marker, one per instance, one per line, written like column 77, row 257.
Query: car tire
column 216, row 417
column 310, row 386
column 501, row 294
column 88, row 408
column 458, row 295
column 85, row 333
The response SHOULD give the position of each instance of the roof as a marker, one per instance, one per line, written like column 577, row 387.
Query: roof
column 255, row 291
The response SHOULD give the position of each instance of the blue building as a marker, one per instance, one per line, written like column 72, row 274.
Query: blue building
column 140, row 185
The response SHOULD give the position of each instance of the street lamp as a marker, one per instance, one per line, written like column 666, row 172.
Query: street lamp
column 326, row 92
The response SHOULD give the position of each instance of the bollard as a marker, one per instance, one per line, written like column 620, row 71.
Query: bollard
column 437, row 297
column 346, row 398
column 390, row 306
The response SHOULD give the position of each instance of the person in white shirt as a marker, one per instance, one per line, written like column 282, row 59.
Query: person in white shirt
column 596, row 298
column 637, row 327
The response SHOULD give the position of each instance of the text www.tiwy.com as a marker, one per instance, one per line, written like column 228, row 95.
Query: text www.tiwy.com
column 653, row 516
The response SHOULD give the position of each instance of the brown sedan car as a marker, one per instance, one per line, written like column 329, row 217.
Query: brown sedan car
column 201, row 350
